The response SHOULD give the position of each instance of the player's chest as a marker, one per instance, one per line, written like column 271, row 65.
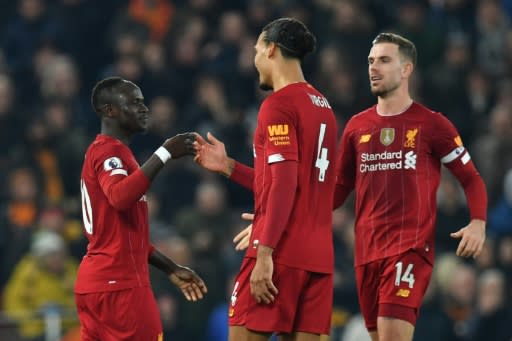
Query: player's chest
column 390, row 147
column 390, row 138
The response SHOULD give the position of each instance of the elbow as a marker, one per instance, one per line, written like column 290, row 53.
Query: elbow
column 118, row 202
column 120, row 205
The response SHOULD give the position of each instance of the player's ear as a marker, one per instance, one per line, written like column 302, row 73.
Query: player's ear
column 108, row 110
column 271, row 49
column 407, row 69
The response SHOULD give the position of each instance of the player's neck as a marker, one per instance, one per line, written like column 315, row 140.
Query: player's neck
column 394, row 104
column 289, row 73
column 115, row 132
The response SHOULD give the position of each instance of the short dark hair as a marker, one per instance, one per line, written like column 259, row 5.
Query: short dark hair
column 405, row 47
column 102, row 92
column 292, row 36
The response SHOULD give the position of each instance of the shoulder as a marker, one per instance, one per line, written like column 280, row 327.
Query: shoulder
column 26, row 267
column 428, row 113
column 431, row 118
column 291, row 96
column 103, row 147
column 361, row 118
column 365, row 113
column 276, row 106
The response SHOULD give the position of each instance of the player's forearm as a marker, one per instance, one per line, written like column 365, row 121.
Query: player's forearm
column 162, row 262
column 123, row 194
column 280, row 201
column 152, row 166
column 476, row 197
column 240, row 174
column 264, row 251
column 474, row 189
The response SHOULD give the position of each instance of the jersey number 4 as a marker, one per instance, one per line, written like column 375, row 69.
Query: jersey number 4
column 322, row 163
column 86, row 208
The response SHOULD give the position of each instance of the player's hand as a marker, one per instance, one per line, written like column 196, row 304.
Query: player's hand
column 212, row 154
column 190, row 284
column 262, row 287
column 243, row 237
column 181, row 145
column 472, row 239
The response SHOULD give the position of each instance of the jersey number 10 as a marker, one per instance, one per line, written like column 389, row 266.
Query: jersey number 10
column 86, row 208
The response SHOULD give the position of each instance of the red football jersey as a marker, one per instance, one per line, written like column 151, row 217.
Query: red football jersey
column 394, row 164
column 297, row 123
column 117, row 254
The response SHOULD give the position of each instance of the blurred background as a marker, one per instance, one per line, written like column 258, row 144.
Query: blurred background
column 194, row 62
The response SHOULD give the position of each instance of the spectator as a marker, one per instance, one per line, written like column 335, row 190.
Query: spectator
column 492, row 152
column 494, row 316
column 42, row 282
column 18, row 216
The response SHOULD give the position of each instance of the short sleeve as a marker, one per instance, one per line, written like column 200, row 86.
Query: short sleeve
column 279, row 126
column 110, row 164
column 446, row 143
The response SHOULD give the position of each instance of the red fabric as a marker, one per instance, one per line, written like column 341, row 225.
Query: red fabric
column 340, row 195
column 474, row 188
column 304, row 302
column 296, row 124
column 399, row 312
column 117, row 254
column 377, row 286
column 394, row 164
column 243, row 175
column 130, row 314
column 121, row 192
column 280, row 201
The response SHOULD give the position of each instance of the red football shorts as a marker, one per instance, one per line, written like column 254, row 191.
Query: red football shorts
column 303, row 304
column 393, row 287
column 130, row 314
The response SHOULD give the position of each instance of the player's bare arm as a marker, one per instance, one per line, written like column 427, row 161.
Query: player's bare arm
column 190, row 284
column 173, row 148
column 212, row 155
column 262, row 288
column 472, row 239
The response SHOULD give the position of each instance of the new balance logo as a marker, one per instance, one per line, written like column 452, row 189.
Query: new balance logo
column 403, row 293
column 410, row 160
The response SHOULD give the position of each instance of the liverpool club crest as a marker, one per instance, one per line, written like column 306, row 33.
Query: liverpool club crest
column 387, row 136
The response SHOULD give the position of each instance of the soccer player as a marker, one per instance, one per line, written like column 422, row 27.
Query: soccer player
column 112, row 292
column 391, row 154
column 285, row 282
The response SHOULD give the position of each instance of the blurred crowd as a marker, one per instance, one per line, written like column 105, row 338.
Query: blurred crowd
column 194, row 62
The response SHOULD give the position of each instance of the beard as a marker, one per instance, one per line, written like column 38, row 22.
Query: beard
column 265, row 87
column 383, row 92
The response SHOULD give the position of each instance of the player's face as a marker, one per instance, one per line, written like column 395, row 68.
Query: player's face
column 134, row 114
column 261, row 63
column 385, row 68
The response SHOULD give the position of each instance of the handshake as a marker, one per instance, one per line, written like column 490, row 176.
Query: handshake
column 210, row 155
